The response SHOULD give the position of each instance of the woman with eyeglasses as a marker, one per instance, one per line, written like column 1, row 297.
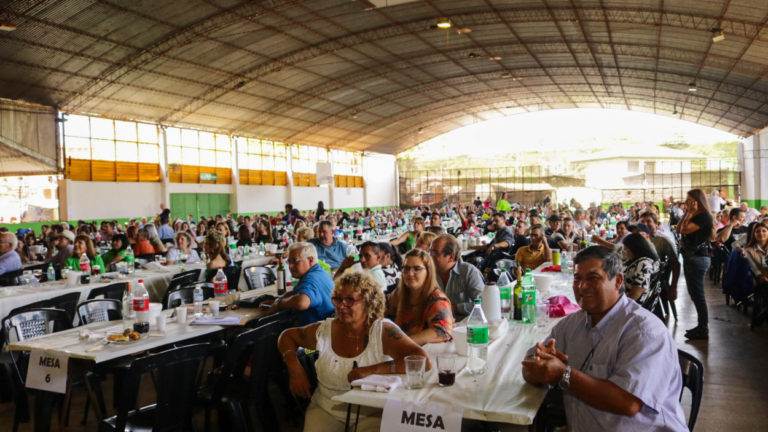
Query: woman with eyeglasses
column 417, row 305
column 356, row 343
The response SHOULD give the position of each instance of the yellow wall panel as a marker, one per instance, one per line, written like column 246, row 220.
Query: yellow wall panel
column 102, row 170
column 127, row 171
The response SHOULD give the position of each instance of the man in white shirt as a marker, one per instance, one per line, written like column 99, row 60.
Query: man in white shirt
column 9, row 259
column 750, row 214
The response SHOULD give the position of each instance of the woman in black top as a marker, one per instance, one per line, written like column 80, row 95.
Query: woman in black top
column 696, row 229
column 244, row 236
column 320, row 210
column 263, row 232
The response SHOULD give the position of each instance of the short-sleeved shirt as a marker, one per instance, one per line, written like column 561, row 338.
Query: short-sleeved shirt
column 639, row 273
column 392, row 276
column 109, row 255
column 73, row 263
column 736, row 231
column 317, row 285
column 165, row 232
column 633, row 349
column 504, row 235
column 10, row 262
column 333, row 254
column 689, row 243
column 503, row 205
column 437, row 314
column 465, row 284
column 531, row 258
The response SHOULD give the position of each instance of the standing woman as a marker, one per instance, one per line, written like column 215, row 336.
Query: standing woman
column 696, row 229
column 320, row 210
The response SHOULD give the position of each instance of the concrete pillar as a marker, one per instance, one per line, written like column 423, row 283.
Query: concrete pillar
column 164, row 177
column 289, row 175
column 330, row 204
column 365, row 181
column 753, row 158
column 234, row 204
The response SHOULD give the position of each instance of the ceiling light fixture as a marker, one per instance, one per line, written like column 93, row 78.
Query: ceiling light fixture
column 473, row 55
column 7, row 26
column 464, row 30
column 443, row 23
column 692, row 87
column 506, row 75
column 718, row 33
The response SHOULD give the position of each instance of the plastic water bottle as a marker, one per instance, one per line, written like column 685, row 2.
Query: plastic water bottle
column 51, row 273
column 197, row 298
column 127, row 302
column 477, row 340
column 85, row 264
column 505, row 292
column 141, row 304
column 220, row 283
column 529, row 298
column 129, row 259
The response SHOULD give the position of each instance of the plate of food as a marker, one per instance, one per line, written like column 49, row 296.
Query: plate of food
column 126, row 336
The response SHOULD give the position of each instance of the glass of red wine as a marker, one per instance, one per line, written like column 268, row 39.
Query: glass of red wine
column 446, row 369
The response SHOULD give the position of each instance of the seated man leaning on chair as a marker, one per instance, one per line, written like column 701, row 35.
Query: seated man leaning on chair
column 616, row 362
column 311, row 297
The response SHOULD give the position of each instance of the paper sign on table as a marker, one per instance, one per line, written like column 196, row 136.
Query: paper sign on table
column 417, row 416
column 47, row 371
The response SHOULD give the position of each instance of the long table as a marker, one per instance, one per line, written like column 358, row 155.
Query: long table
column 499, row 395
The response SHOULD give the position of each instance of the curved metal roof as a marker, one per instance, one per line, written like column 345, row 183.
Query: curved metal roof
column 378, row 74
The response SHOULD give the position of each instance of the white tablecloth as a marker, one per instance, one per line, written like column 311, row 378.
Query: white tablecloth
column 500, row 394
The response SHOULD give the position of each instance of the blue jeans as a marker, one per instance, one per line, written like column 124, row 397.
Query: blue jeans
column 695, row 270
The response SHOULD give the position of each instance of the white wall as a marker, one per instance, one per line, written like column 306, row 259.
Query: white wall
column 106, row 200
column 306, row 198
column 99, row 200
column 252, row 199
column 380, row 180
column 347, row 197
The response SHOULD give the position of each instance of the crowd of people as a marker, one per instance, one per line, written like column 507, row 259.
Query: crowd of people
column 380, row 301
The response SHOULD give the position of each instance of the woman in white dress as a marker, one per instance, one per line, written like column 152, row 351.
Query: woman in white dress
column 357, row 336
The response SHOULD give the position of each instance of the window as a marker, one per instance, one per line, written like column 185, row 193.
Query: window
column 261, row 162
column 111, row 150
column 347, row 168
column 192, row 153
column 304, row 161
column 650, row 167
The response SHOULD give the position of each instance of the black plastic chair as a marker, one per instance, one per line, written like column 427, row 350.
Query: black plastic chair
column 232, row 273
column 183, row 295
column 67, row 302
column 693, row 379
column 184, row 279
column 24, row 325
column 10, row 278
column 175, row 372
column 112, row 291
column 99, row 310
column 146, row 257
column 232, row 391
column 259, row 277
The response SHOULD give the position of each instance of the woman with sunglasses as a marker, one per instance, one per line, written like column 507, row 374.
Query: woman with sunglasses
column 417, row 305
column 356, row 343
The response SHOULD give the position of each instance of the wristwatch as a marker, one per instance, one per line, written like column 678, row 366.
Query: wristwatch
column 565, row 380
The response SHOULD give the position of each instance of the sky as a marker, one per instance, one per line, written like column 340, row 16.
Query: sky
column 550, row 130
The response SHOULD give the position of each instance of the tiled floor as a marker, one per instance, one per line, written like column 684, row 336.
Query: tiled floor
column 735, row 361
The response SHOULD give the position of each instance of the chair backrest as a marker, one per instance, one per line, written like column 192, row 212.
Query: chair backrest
column 183, row 295
column 112, row 291
column 240, row 354
column 150, row 257
column 67, row 302
column 99, row 310
column 184, row 279
column 32, row 323
column 175, row 372
column 693, row 379
column 9, row 278
column 259, row 277
column 232, row 273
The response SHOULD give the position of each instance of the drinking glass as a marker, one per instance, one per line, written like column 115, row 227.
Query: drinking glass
column 446, row 369
column 414, row 371
column 38, row 274
column 542, row 314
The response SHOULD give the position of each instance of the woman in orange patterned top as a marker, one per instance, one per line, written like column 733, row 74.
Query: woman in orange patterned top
column 417, row 305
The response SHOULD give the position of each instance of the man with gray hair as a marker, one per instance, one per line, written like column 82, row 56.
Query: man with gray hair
column 460, row 281
column 10, row 260
column 311, row 297
column 615, row 362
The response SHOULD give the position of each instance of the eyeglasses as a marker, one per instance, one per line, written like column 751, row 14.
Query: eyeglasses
column 345, row 301
column 414, row 269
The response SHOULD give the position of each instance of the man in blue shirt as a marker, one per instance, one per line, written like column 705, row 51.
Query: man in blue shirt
column 329, row 249
column 311, row 297
column 9, row 259
column 616, row 362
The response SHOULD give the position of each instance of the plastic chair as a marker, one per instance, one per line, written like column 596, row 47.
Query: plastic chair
column 183, row 295
column 259, row 277
column 9, row 278
column 693, row 379
column 67, row 302
column 232, row 390
column 24, row 325
column 232, row 273
column 175, row 371
column 183, row 279
column 99, row 310
column 112, row 291
column 652, row 302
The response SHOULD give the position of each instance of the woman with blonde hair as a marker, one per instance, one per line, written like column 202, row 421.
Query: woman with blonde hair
column 424, row 239
column 356, row 343
column 418, row 305
column 215, row 247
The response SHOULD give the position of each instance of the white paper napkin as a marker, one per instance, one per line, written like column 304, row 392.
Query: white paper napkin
column 378, row 383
